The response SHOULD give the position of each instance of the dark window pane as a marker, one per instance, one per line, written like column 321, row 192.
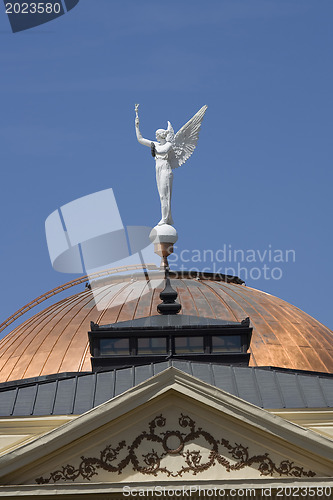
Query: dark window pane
column 188, row 344
column 226, row 343
column 114, row 346
column 154, row 345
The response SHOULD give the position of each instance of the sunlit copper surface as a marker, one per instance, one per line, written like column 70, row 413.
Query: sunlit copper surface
column 55, row 340
column 65, row 286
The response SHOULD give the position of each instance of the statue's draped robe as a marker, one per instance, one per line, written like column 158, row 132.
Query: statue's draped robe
column 164, row 177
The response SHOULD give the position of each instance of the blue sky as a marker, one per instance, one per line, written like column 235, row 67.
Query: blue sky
column 261, row 174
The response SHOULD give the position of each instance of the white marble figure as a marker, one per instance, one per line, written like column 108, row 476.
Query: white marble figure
column 171, row 150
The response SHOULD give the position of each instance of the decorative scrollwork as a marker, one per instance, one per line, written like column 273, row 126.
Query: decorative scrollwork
column 148, row 449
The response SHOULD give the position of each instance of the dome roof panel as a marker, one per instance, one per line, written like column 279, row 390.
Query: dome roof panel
column 55, row 340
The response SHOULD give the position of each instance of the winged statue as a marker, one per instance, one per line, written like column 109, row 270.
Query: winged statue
column 170, row 151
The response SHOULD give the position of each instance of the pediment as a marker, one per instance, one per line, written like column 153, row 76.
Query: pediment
column 170, row 427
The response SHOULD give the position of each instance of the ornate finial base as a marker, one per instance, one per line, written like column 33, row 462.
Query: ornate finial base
column 163, row 237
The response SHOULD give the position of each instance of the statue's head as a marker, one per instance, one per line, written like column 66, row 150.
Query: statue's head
column 161, row 133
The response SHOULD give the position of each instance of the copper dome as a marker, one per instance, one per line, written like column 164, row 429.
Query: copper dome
column 55, row 340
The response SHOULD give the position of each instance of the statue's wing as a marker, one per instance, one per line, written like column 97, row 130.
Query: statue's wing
column 171, row 138
column 186, row 139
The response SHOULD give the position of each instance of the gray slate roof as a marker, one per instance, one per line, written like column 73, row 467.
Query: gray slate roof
column 76, row 393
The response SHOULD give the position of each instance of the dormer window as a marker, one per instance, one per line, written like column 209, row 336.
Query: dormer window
column 158, row 338
column 114, row 347
column 183, row 345
column 152, row 345
column 226, row 343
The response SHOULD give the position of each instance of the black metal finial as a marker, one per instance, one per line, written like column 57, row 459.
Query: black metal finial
column 246, row 322
column 169, row 296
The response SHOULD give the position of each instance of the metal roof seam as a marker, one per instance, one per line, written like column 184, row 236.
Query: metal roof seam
column 256, row 384
column 322, row 391
column 212, row 375
column 74, row 394
column 279, row 388
column 221, row 298
column 234, row 381
column 303, row 396
column 93, row 396
column 55, row 396
column 34, row 399
column 14, row 401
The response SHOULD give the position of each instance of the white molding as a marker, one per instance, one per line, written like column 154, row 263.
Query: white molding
column 28, row 491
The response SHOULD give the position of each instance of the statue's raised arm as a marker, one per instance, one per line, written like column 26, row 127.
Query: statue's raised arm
column 139, row 137
column 170, row 151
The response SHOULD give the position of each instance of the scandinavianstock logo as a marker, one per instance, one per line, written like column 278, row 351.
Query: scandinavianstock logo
column 248, row 264
column 87, row 236
column 26, row 14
